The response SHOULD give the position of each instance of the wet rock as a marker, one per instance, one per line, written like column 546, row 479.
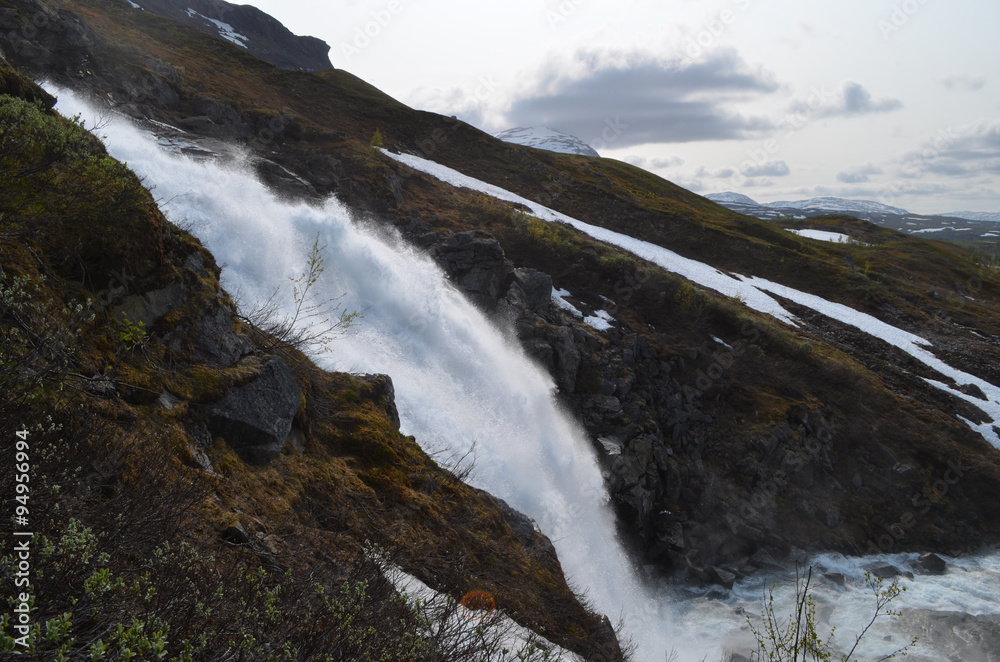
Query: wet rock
column 395, row 188
column 612, row 446
column 531, row 290
column 199, row 459
column 837, row 578
column 721, row 577
column 762, row 560
column 883, row 570
column 255, row 419
column 931, row 564
column 525, row 528
column 236, row 535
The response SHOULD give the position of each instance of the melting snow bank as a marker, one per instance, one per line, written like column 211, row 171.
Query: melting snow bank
column 226, row 31
column 601, row 320
column 693, row 270
column 822, row 235
column 753, row 291
column 474, row 624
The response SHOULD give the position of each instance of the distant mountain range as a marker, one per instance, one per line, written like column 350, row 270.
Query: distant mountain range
column 956, row 225
column 545, row 138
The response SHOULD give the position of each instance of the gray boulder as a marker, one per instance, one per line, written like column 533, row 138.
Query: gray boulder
column 256, row 418
column 530, row 289
column 216, row 343
column 931, row 564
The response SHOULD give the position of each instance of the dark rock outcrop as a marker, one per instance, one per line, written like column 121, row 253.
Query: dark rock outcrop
column 263, row 35
column 215, row 341
column 256, row 418
column 476, row 263
column 383, row 394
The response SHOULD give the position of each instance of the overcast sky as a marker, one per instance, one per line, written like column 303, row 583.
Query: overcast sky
column 889, row 100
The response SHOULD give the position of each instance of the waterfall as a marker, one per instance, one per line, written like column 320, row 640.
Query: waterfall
column 459, row 382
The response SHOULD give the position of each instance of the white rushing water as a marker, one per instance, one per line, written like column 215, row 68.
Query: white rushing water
column 458, row 382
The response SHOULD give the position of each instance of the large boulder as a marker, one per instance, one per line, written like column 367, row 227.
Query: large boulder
column 256, row 418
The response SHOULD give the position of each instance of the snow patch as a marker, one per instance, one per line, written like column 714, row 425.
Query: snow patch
column 697, row 272
column 497, row 629
column 823, row 235
column 226, row 31
column 558, row 298
column 928, row 230
column 600, row 320
column 722, row 342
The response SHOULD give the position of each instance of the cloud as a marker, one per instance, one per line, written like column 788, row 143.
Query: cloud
column 858, row 174
column 964, row 82
column 969, row 152
column 768, row 169
column 624, row 99
column 852, row 100
column 654, row 163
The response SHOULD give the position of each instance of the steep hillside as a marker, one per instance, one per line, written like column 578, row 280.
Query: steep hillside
column 731, row 441
column 198, row 488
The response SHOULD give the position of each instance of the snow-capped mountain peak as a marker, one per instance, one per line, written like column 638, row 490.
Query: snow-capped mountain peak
column 838, row 205
column 731, row 198
column 548, row 139
column 981, row 216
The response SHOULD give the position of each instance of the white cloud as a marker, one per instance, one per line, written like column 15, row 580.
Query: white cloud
column 964, row 82
column 647, row 99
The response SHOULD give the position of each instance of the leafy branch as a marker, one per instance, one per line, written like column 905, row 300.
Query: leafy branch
column 315, row 323
column 798, row 640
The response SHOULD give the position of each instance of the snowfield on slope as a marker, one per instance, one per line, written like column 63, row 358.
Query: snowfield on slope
column 753, row 291
column 822, row 235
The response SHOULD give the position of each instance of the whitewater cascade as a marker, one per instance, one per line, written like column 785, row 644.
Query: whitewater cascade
column 460, row 382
